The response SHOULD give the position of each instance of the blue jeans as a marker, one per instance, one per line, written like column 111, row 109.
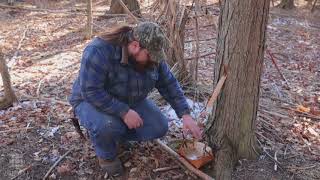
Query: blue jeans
column 106, row 131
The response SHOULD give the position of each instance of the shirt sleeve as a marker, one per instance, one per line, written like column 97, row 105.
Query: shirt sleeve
column 170, row 89
column 93, row 75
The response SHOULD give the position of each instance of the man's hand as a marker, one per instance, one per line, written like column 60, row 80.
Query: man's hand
column 132, row 119
column 190, row 124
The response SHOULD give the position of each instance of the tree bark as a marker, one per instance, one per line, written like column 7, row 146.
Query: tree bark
column 9, row 96
column 133, row 6
column 286, row 4
column 240, row 48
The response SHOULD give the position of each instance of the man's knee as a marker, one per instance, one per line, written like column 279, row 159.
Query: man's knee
column 161, row 128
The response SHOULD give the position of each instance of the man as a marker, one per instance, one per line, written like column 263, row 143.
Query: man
column 118, row 70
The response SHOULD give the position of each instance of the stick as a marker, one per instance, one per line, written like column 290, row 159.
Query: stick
column 55, row 164
column 199, row 173
column 128, row 11
column 277, row 67
column 275, row 164
column 13, row 59
column 22, row 171
column 165, row 169
column 216, row 92
column 274, row 160
column 17, row 129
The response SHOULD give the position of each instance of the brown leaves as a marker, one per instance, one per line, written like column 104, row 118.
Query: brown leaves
column 65, row 168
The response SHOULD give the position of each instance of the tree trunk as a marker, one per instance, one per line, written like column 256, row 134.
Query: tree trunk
column 89, row 19
column 133, row 6
column 9, row 96
column 286, row 4
column 11, row 2
column 240, row 48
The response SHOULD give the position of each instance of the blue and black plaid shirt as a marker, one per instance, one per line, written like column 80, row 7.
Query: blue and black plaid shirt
column 114, row 87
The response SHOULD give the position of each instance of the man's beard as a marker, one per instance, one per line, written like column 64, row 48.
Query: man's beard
column 142, row 67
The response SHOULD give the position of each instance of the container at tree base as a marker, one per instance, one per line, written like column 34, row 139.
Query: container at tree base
column 196, row 153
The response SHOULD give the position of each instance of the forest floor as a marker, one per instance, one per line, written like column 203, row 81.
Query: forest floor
column 43, row 50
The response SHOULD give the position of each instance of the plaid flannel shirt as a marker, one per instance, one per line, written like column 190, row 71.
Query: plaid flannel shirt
column 113, row 87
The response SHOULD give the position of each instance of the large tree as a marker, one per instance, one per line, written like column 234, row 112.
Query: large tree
column 132, row 5
column 240, row 48
column 286, row 4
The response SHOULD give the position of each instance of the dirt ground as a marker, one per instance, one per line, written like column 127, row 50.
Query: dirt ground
column 44, row 49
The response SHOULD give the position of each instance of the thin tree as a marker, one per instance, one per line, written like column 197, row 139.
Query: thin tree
column 89, row 19
column 240, row 48
column 9, row 96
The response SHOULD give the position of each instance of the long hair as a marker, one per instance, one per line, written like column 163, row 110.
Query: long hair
column 118, row 36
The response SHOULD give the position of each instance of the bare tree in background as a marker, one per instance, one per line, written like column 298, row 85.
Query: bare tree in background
column 9, row 96
column 133, row 6
column 89, row 19
column 286, row 4
column 240, row 48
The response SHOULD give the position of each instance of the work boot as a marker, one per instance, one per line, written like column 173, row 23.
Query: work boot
column 112, row 167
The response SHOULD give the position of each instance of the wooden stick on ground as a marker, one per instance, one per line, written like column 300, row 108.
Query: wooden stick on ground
column 165, row 169
column 55, row 164
column 199, row 173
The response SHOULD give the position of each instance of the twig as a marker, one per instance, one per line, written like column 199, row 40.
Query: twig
column 13, row 59
column 128, row 11
column 275, row 164
column 274, row 160
column 16, row 129
column 22, row 171
column 165, row 169
column 199, row 173
column 55, row 164
column 277, row 67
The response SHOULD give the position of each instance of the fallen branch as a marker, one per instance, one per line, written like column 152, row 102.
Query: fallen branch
column 199, row 173
column 16, row 129
column 55, row 164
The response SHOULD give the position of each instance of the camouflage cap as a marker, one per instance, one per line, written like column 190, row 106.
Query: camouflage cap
column 151, row 37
